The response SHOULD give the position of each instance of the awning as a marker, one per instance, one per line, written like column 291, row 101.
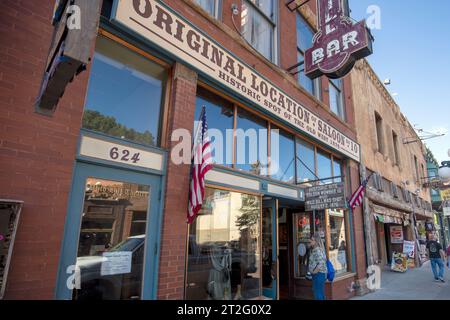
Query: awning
column 388, row 215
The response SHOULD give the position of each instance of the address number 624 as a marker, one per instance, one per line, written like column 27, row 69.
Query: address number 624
column 124, row 155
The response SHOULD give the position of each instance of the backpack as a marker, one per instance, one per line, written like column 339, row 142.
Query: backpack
column 331, row 271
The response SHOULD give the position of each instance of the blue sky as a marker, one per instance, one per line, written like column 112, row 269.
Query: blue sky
column 412, row 48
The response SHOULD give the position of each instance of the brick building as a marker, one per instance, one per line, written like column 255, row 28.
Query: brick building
column 101, row 193
column 395, row 156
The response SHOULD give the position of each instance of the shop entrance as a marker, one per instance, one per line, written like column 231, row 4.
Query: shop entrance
column 276, row 226
column 111, row 235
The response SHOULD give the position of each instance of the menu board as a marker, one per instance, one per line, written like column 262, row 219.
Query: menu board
column 399, row 262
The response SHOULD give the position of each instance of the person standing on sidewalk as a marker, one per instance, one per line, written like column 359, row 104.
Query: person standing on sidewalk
column 437, row 258
column 318, row 266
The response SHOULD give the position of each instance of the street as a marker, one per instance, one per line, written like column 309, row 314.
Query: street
column 415, row 284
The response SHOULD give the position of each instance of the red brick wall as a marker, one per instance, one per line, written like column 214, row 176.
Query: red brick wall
column 174, row 233
column 36, row 152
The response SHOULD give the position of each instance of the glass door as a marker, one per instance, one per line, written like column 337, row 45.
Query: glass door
column 270, row 248
column 109, row 230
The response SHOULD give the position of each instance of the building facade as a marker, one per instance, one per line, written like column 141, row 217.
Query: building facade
column 397, row 205
column 102, row 178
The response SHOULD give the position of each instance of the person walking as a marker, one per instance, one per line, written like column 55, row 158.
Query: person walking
column 318, row 266
column 437, row 258
column 448, row 256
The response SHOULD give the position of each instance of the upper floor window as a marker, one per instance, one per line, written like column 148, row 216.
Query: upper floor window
column 395, row 144
column 379, row 128
column 258, row 22
column 336, row 98
column 416, row 168
column 305, row 36
column 125, row 94
column 211, row 6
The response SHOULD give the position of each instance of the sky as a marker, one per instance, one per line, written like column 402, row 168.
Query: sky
column 412, row 48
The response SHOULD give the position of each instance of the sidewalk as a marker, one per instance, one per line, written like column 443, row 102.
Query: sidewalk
column 415, row 284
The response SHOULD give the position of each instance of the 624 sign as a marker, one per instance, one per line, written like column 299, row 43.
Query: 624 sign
column 339, row 43
column 123, row 155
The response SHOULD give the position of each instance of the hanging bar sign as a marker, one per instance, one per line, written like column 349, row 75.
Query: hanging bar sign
column 338, row 44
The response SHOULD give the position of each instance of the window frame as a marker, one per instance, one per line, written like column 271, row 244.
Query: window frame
column 317, row 82
column 341, row 112
column 396, row 149
column 379, row 132
column 160, row 139
column 272, row 123
column 272, row 21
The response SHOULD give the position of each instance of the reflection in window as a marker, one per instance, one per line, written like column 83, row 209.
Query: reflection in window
column 338, row 241
column 306, row 164
column 305, row 36
column 220, row 118
column 336, row 98
column 211, row 6
column 111, row 240
column 337, row 170
column 258, row 26
column 224, row 248
column 125, row 94
column 251, row 143
column 305, row 225
column 282, row 156
column 324, row 166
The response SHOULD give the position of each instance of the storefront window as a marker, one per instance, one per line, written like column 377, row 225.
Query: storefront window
column 220, row 119
column 251, row 143
column 224, row 248
column 338, row 241
column 125, row 94
column 306, row 163
column 111, row 240
column 282, row 156
column 324, row 166
column 305, row 225
column 337, row 170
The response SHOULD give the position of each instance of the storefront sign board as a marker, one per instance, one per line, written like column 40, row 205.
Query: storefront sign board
column 157, row 23
column 396, row 233
column 120, row 153
column 328, row 196
column 339, row 42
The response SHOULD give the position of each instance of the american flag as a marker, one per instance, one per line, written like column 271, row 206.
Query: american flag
column 358, row 196
column 202, row 163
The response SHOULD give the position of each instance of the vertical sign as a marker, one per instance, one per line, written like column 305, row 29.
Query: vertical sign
column 338, row 44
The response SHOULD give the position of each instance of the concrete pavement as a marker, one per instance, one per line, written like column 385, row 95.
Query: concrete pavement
column 415, row 284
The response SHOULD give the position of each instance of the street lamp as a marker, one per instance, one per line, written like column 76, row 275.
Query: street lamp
column 444, row 171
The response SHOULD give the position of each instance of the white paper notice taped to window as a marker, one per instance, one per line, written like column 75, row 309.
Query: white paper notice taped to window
column 116, row 263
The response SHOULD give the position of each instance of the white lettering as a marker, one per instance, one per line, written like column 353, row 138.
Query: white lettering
column 350, row 38
column 333, row 48
column 318, row 56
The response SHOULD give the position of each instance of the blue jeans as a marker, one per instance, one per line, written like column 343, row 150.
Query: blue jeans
column 318, row 285
column 437, row 263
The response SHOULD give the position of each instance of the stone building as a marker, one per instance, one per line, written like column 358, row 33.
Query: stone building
column 397, row 205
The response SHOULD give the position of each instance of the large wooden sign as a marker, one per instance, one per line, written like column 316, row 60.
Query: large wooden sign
column 76, row 26
column 338, row 44
column 174, row 35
